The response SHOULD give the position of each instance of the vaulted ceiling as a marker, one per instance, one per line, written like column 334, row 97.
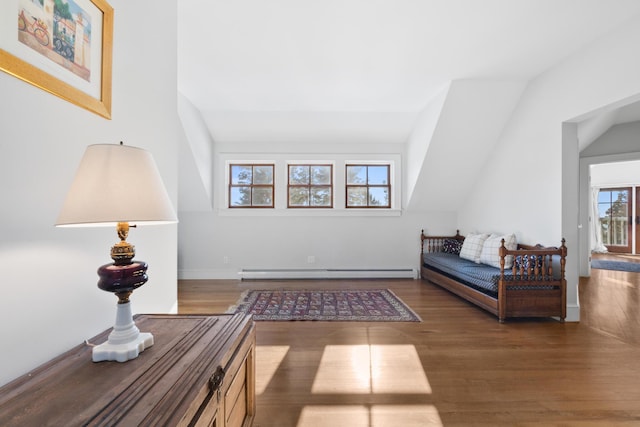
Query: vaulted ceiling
column 372, row 56
column 366, row 70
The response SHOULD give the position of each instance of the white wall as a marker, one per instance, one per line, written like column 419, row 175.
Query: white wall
column 420, row 139
column 464, row 138
column 286, row 242
column 195, row 191
column 347, row 239
column 530, row 187
column 50, row 301
column 615, row 174
column 285, row 238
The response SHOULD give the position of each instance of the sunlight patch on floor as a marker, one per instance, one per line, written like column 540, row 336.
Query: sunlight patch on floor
column 274, row 354
column 374, row 416
column 363, row 369
column 624, row 283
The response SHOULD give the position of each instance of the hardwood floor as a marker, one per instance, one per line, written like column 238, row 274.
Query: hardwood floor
column 610, row 300
column 459, row 367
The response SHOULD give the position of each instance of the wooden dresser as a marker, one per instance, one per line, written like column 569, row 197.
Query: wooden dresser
column 199, row 372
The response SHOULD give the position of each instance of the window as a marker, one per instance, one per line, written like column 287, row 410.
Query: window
column 368, row 186
column 251, row 186
column 310, row 186
column 615, row 212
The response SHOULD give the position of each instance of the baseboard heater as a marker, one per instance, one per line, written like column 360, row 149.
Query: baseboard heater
column 327, row 273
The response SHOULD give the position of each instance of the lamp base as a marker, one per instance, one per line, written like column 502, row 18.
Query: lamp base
column 125, row 341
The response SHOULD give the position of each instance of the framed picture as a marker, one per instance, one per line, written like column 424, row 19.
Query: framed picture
column 61, row 46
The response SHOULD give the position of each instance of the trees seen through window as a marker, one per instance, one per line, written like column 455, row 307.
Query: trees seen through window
column 251, row 186
column 310, row 186
column 368, row 186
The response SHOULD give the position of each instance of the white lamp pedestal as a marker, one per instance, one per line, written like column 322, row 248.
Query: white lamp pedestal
column 125, row 341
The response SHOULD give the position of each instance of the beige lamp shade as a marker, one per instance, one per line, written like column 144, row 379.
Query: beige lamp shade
column 116, row 183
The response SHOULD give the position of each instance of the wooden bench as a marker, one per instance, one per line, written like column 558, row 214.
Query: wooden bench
column 528, row 289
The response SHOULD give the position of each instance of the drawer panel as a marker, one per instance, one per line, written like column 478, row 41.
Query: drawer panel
column 239, row 410
column 209, row 415
column 237, row 390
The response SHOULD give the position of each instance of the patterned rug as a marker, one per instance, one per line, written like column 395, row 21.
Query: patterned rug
column 376, row 305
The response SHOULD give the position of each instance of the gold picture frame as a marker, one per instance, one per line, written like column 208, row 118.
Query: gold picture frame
column 54, row 54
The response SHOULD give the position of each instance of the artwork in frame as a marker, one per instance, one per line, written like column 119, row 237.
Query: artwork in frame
column 61, row 46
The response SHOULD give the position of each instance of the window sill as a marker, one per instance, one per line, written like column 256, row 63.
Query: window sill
column 240, row 212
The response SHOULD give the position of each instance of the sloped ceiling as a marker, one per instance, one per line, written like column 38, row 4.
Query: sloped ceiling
column 362, row 71
column 363, row 55
column 594, row 127
column 466, row 133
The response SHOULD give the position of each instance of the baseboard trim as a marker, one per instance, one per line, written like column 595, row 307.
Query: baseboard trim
column 328, row 273
column 573, row 313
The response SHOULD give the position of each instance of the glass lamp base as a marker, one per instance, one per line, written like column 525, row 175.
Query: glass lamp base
column 125, row 341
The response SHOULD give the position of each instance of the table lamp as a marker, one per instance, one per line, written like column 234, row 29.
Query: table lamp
column 116, row 185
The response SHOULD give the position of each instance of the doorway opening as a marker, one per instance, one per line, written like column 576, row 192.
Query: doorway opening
column 616, row 212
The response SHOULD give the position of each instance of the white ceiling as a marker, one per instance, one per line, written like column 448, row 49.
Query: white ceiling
column 591, row 128
column 627, row 114
column 371, row 55
column 324, row 73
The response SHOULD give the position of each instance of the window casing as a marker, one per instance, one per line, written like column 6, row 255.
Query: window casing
column 251, row 185
column 310, row 186
column 280, row 205
column 368, row 186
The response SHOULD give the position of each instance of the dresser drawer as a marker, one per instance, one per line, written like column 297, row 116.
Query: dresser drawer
column 236, row 398
column 239, row 398
column 239, row 409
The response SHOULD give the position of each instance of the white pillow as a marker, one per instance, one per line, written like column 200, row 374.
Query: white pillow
column 490, row 254
column 472, row 247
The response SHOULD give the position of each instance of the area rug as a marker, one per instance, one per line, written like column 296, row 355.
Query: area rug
column 376, row 305
column 601, row 264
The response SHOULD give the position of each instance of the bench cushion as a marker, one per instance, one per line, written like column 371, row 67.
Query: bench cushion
column 481, row 276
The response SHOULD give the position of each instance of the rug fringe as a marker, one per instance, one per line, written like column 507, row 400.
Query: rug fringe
column 233, row 308
column 407, row 307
